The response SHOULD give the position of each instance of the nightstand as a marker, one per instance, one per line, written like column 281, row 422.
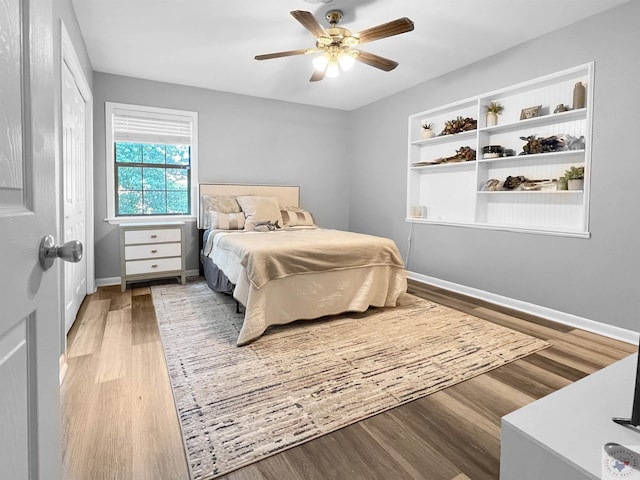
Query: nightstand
column 151, row 250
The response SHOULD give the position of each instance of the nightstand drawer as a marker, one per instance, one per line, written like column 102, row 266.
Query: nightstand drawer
column 155, row 265
column 138, row 252
column 157, row 235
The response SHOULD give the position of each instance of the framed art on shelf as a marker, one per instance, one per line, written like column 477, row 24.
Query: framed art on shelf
column 530, row 112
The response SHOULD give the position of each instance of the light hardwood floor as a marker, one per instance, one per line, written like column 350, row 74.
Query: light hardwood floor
column 120, row 422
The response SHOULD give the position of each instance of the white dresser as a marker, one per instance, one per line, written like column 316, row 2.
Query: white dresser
column 151, row 250
column 562, row 436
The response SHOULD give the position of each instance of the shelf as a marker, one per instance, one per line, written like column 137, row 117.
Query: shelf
column 553, row 118
column 535, row 229
column 535, row 192
column 536, row 157
column 471, row 134
column 441, row 166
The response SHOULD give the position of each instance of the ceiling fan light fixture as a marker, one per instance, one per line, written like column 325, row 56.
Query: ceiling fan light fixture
column 320, row 62
column 336, row 44
column 346, row 60
column 333, row 70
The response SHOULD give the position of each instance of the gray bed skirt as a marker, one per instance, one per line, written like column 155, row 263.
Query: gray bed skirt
column 216, row 280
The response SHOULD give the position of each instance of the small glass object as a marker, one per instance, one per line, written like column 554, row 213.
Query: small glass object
column 419, row 211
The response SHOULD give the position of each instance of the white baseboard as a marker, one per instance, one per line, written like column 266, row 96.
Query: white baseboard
column 109, row 281
column 571, row 320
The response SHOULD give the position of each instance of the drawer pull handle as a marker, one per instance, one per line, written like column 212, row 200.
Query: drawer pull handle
column 154, row 266
column 154, row 236
column 154, row 251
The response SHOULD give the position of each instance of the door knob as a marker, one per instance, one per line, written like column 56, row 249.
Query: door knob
column 49, row 251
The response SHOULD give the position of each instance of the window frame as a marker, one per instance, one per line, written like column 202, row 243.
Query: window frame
column 112, row 108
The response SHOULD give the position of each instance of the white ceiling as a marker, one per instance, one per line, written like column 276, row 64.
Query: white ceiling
column 211, row 43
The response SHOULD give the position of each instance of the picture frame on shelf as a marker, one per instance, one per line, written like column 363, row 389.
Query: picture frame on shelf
column 530, row 112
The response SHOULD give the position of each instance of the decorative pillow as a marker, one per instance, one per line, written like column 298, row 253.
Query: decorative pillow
column 259, row 209
column 267, row 226
column 291, row 208
column 225, row 221
column 218, row 203
column 294, row 218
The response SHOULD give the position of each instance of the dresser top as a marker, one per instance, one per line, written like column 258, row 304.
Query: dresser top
column 151, row 224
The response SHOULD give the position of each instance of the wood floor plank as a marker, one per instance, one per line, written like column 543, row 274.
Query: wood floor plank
column 252, row 472
column 135, row 292
column 154, row 421
column 79, row 316
column 576, row 357
column 95, row 416
column 111, row 420
column 453, row 437
column 604, row 350
column 529, row 378
column 555, row 367
column 115, row 353
column 118, row 298
column 78, row 397
column 629, row 348
column 125, row 426
column 453, row 299
column 144, row 326
column 271, row 468
column 347, row 452
column 88, row 337
column 409, row 450
column 515, row 323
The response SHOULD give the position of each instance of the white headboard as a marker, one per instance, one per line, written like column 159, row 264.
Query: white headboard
column 287, row 195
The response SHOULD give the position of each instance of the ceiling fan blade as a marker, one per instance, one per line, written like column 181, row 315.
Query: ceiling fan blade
column 394, row 27
column 309, row 22
column 317, row 75
column 288, row 53
column 376, row 61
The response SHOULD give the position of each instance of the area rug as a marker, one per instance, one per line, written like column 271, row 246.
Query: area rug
column 297, row 382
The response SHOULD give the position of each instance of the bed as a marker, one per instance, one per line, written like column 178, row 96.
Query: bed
column 283, row 267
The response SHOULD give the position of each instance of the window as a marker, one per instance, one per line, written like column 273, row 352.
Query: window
column 151, row 162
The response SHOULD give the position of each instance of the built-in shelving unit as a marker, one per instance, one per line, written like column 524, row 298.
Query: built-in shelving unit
column 454, row 193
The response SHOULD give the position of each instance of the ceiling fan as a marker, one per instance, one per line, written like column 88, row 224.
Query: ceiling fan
column 337, row 45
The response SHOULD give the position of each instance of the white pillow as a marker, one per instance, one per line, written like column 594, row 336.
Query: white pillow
column 259, row 209
column 225, row 221
column 218, row 203
column 294, row 218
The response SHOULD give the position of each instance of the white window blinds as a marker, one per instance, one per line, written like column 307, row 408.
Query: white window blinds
column 132, row 126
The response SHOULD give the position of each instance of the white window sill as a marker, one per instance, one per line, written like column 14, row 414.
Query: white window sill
column 155, row 219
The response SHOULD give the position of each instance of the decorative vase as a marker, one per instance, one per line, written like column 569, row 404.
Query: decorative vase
column 562, row 184
column 427, row 133
column 492, row 119
column 578, row 95
column 561, row 108
column 576, row 184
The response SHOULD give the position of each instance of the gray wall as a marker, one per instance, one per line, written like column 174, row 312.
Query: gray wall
column 242, row 139
column 595, row 278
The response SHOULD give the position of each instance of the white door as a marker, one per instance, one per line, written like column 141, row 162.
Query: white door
column 74, row 188
column 29, row 296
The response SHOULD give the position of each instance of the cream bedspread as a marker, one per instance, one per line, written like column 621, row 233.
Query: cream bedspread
column 352, row 272
column 270, row 255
